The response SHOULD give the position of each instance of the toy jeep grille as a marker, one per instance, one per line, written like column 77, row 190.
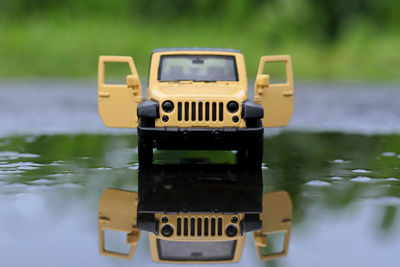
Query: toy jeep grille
column 199, row 226
column 203, row 226
column 200, row 111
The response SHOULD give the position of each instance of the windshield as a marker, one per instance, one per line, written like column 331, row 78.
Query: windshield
column 196, row 251
column 198, row 68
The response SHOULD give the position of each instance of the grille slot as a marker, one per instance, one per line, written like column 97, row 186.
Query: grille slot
column 199, row 226
column 221, row 111
column 200, row 111
column 193, row 111
column 214, row 111
column 207, row 111
column 179, row 111
column 213, row 226
column 185, row 227
column 186, row 111
column 179, row 226
column 219, row 226
column 192, row 226
column 206, row 226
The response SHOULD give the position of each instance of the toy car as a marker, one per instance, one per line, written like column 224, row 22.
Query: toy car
column 197, row 99
column 196, row 217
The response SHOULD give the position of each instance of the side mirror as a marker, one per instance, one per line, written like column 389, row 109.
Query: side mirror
column 262, row 80
column 132, row 81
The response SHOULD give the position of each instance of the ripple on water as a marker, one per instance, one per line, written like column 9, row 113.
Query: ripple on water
column 34, row 186
column 318, row 183
column 362, row 179
column 55, row 164
column 336, row 178
column 388, row 154
column 10, row 171
column 365, row 179
column 134, row 167
column 19, row 164
column 22, row 166
column 27, row 168
column 390, row 179
column 339, row 161
column 264, row 166
column 16, row 155
column 361, row 171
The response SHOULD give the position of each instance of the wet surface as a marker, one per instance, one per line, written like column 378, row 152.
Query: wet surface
column 345, row 191
column 344, row 185
column 59, row 107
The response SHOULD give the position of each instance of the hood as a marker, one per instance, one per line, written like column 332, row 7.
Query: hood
column 198, row 89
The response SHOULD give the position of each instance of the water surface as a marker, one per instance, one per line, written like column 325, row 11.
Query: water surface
column 345, row 190
column 339, row 159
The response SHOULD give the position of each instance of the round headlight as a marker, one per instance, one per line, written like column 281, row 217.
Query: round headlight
column 167, row 106
column 231, row 230
column 167, row 230
column 233, row 106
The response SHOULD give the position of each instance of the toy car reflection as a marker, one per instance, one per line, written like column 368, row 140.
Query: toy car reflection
column 192, row 218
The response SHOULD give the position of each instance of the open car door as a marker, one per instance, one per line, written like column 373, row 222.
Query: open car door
column 276, row 217
column 117, row 103
column 118, row 212
column 276, row 98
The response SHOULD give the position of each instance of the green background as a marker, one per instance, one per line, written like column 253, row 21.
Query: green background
column 354, row 40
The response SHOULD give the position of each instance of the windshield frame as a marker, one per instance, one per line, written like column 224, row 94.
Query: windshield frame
column 233, row 57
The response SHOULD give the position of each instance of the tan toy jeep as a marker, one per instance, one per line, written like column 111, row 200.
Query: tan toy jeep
column 197, row 99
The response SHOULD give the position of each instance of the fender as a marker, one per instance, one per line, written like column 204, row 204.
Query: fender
column 252, row 110
column 148, row 109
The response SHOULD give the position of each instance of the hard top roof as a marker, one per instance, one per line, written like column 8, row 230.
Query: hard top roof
column 195, row 49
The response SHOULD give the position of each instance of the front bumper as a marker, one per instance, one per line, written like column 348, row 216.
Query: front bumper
column 201, row 138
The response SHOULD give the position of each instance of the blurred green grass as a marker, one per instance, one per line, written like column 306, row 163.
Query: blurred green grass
column 334, row 41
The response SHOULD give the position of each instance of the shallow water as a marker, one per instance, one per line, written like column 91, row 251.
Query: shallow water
column 339, row 160
column 345, row 190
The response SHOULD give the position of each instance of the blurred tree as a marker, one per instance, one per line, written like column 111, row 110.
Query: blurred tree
column 310, row 30
column 329, row 17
